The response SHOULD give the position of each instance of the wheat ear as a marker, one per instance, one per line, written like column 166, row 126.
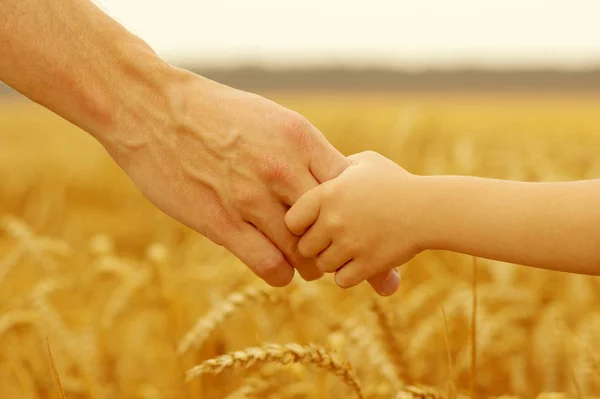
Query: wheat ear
column 413, row 392
column 207, row 324
column 281, row 354
column 121, row 298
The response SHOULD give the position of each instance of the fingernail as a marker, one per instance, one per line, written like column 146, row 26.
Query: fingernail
column 390, row 284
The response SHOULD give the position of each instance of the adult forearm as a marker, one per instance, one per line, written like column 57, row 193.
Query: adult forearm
column 547, row 225
column 75, row 60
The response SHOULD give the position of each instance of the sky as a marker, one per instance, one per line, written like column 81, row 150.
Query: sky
column 413, row 34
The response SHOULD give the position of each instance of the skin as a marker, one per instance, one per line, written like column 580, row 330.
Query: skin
column 224, row 162
column 375, row 216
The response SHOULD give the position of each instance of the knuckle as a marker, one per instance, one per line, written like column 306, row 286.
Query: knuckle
column 217, row 225
column 352, row 245
column 329, row 191
column 335, row 223
column 276, row 171
column 246, row 199
column 297, row 129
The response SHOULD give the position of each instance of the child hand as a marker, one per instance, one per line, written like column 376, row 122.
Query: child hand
column 360, row 223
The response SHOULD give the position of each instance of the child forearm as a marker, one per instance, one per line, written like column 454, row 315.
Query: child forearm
column 546, row 225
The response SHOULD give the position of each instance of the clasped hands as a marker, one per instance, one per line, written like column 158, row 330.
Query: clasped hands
column 230, row 164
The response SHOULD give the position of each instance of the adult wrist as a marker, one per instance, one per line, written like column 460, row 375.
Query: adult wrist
column 144, row 99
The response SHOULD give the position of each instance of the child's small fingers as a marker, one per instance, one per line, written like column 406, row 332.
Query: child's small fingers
column 351, row 274
column 333, row 258
column 304, row 212
column 359, row 270
column 386, row 283
column 314, row 241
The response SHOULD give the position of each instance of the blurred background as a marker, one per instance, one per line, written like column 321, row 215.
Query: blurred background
column 507, row 89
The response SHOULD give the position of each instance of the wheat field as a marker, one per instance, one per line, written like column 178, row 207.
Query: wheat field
column 130, row 304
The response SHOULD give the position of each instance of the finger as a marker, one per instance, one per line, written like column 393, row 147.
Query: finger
column 355, row 272
column 314, row 241
column 385, row 283
column 348, row 275
column 271, row 223
column 260, row 255
column 302, row 182
column 326, row 162
column 304, row 212
column 332, row 258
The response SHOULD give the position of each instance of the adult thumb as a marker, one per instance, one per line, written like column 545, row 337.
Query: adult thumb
column 326, row 162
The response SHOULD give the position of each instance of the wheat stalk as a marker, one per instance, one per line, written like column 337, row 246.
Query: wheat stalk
column 389, row 337
column 51, row 318
column 119, row 300
column 413, row 392
column 451, row 383
column 426, row 331
column 55, row 371
column 80, row 349
column 547, row 344
column 363, row 338
column 474, row 333
column 207, row 324
column 281, row 354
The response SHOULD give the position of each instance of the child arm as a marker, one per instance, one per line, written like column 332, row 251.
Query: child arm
column 546, row 225
column 376, row 216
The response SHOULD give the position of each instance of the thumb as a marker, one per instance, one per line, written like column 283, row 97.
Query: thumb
column 326, row 162
column 385, row 283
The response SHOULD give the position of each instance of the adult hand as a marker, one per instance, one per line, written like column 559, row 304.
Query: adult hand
column 223, row 162
column 229, row 165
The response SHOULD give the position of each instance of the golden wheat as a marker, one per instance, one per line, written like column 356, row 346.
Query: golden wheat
column 129, row 299
column 282, row 354
column 371, row 351
column 412, row 392
column 390, row 337
column 203, row 327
